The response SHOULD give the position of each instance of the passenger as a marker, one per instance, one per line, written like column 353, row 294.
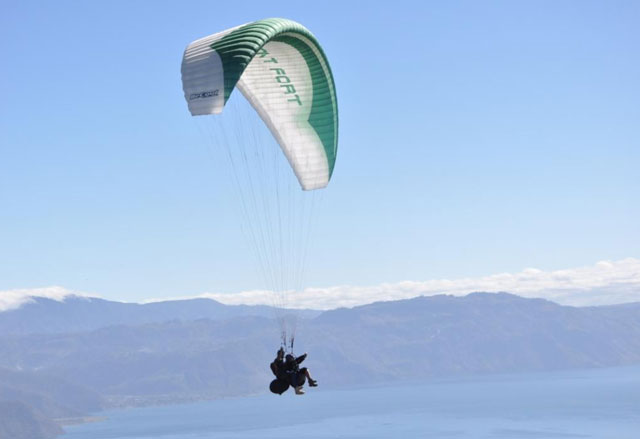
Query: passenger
column 297, row 376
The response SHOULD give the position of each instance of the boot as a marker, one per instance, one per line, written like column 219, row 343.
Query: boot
column 299, row 390
column 313, row 383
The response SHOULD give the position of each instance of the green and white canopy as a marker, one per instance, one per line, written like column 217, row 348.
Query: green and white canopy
column 280, row 68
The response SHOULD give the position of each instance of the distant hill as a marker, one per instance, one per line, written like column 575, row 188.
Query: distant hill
column 478, row 333
column 19, row 421
column 77, row 313
column 178, row 357
column 48, row 395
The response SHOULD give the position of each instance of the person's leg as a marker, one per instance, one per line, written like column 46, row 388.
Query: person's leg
column 299, row 379
column 312, row 382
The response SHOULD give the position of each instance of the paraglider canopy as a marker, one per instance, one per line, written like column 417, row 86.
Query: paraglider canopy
column 288, row 122
column 281, row 69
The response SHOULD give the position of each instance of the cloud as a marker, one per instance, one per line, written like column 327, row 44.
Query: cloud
column 12, row 299
column 604, row 283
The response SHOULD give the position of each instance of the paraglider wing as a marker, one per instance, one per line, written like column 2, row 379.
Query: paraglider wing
column 280, row 68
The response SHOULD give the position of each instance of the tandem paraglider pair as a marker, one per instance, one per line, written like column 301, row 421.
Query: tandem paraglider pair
column 289, row 373
column 281, row 69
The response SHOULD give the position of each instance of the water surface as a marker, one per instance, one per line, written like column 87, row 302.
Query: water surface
column 603, row 403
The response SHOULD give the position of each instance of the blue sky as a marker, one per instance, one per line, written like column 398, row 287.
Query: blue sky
column 475, row 138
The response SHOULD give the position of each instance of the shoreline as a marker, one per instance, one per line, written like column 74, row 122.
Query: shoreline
column 79, row 420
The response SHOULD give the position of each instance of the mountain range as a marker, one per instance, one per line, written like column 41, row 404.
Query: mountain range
column 67, row 359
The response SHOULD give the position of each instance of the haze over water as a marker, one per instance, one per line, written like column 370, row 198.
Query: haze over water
column 603, row 403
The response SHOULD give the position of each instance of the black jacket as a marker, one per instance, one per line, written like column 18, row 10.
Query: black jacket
column 278, row 368
column 292, row 364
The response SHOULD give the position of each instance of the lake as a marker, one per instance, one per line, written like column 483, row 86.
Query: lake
column 600, row 403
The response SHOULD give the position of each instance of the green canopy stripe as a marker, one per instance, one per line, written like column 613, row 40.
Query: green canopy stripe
column 239, row 47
